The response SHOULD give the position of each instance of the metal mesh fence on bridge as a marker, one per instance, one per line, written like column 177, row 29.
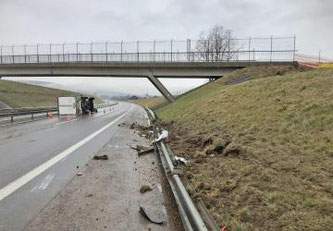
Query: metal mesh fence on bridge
column 270, row 49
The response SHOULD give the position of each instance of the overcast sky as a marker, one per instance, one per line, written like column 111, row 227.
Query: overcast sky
column 44, row 21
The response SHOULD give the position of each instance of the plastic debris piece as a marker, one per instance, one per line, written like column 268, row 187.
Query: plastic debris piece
column 149, row 217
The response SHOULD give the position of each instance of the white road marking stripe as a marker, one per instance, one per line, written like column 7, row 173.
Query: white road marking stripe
column 13, row 186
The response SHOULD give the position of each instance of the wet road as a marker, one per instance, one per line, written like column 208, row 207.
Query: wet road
column 38, row 159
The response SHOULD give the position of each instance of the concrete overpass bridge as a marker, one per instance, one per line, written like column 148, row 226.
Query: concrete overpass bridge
column 152, row 60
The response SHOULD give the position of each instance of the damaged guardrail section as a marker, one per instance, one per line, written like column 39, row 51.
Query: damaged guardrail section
column 189, row 214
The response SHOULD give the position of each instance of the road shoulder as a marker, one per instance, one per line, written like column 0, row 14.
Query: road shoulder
column 107, row 194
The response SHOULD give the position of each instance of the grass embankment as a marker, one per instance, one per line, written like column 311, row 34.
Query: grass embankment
column 261, row 151
column 16, row 94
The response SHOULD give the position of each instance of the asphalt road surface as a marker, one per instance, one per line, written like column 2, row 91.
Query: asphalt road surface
column 38, row 159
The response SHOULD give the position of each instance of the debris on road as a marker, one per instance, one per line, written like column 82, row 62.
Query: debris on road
column 149, row 215
column 181, row 160
column 143, row 149
column 103, row 157
column 145, row 188
column 163, row 135
column 122, row 125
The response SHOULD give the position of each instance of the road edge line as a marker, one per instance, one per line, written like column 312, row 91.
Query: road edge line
column 21, row 181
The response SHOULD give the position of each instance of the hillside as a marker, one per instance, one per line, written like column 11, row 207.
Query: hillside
column 16, row 94
column 260, row 143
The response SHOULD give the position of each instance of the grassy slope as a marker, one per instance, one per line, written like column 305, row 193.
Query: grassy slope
column 16, row 94
column 278, row 173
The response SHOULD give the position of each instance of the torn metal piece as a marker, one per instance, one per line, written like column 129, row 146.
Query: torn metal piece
column 163, row 135
column 143, row 149
column 150, row 216
column 148, row 150
column 181, row 160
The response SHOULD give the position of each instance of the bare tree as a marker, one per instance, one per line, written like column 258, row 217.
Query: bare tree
column 218, row 44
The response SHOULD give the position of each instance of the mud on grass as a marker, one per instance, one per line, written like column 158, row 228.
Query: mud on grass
column 281, row 177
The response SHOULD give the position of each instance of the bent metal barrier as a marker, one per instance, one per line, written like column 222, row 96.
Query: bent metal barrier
column 11, row 113
column 272, row 49
column 17, row 112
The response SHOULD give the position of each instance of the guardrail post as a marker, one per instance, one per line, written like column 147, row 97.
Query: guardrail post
column 32, row 115
column 25, row 53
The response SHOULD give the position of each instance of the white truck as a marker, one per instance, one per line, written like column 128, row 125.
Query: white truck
column 71, row 105
column 67, row 106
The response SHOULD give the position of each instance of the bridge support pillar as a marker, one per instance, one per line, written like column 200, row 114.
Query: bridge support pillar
column 161, row 88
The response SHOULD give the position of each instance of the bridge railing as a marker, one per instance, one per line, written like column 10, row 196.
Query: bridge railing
column 249, row 50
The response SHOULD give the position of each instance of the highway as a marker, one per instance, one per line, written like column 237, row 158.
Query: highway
column 38, row 159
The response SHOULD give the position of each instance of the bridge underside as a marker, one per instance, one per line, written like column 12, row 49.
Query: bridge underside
column 152, row 71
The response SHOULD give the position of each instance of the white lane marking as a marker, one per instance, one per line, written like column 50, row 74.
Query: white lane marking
column 44, row 183
column 13, row 186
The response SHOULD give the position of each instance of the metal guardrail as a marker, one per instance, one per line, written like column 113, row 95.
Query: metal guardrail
column 189, row 214
column 103, row 105
column 25, row 111
column 15, row 112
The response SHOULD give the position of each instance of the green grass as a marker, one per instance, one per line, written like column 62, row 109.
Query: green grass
column 281, row 177
column 16, row 94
